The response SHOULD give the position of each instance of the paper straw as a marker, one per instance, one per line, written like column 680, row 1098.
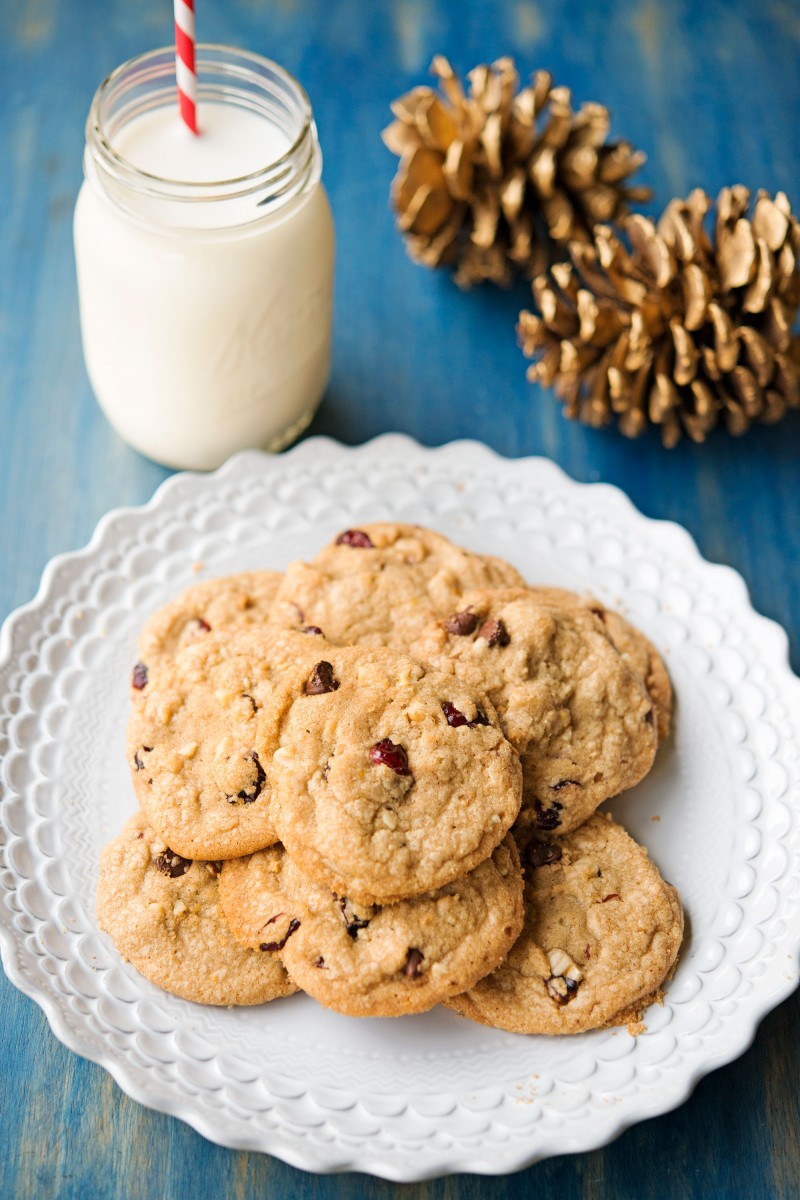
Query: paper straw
column 185, row 74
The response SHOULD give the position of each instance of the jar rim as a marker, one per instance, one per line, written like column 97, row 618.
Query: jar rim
column 159, row 64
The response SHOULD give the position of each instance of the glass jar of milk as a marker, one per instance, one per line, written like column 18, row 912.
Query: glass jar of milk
column 205, row 262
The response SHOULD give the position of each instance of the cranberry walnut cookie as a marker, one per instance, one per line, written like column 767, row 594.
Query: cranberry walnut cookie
column 602, row 934
column 372, row 960
column 380, row 584
column 196, row 745
column 577, row 714
column 162, row 913
column 388, row 778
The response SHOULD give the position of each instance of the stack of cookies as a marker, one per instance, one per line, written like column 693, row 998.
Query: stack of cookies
column 375, row 778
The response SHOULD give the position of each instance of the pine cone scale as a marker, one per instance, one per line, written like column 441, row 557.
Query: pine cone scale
column 758, row 352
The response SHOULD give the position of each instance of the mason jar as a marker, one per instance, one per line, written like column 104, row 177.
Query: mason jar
column 204, row 263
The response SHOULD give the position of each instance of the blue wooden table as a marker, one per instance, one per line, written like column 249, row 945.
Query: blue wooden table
column 711, row 90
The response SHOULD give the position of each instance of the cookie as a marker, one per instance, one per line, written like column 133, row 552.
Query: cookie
column 162, row 913
column 196, row 746
column 637, row 651
column 380, row 584
column 215, row 605
column 388, row 779
column 601, row 936
column 377, row 961
column 579, row 717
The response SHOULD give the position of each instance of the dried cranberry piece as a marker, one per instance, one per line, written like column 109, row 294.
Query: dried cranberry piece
column 261, row 776
column 599, row 612
column 321, row 680
column 138, row 761
column 461, row 623
column 547, row 818
column 294, row 925
column 139, row 677
column 352, row 923
column 541, row 854
column 413, row 967
column 610, row 896
column 315, row 629
column 386, row 753
column 321, row 963
column 356, row 538
column 172, row 864
column 495, row 632
column 456, row 718
column 204, row 625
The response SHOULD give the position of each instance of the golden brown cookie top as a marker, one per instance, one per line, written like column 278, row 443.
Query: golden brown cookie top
column 578, row 715
column 389, row 779
column 372, row 960
column 637, row 651
column 196, row 744
column 602, row 933
column 226, row 604
column 380, row 584
column 162, row 913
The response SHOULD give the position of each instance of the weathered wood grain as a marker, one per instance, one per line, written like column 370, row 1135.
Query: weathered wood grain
column 712, row 92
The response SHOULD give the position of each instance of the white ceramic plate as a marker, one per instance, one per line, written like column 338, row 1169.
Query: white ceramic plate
column 418, row 1096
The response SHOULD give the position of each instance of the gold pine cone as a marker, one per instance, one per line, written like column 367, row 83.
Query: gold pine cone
column 671, row 325
column 489, row 177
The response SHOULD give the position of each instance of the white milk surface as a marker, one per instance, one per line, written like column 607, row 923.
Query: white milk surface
column 232, row 142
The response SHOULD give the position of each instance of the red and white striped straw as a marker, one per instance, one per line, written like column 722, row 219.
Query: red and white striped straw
column 185, row 73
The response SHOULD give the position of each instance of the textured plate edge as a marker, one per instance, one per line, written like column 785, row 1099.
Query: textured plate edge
column 465, row 453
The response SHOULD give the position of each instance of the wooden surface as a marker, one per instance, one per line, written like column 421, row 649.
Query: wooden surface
column 712, row 91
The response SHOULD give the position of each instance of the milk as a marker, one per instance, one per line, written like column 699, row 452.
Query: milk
column 232, row 142
column 205, row 306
